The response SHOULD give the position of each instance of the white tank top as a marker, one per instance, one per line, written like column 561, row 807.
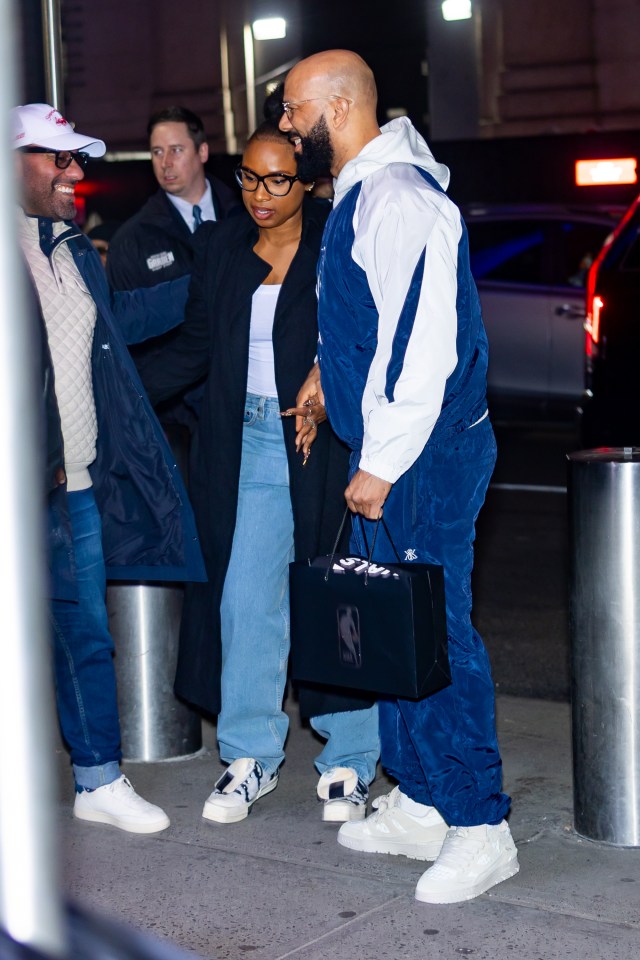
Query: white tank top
column 262, row 377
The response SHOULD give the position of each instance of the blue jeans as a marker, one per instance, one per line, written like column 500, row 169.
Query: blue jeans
column 255, row 616
column 83, row 656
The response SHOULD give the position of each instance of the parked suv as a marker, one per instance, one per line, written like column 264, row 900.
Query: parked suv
column 611, row 406
column 530, row 264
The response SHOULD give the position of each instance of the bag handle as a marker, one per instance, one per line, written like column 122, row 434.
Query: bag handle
column 335, row 546
column 364, row 535
column 379, row 521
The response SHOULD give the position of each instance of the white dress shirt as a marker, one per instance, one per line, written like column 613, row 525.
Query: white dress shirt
column 185, row 209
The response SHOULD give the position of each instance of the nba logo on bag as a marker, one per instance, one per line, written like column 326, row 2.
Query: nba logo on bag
column 349, row 646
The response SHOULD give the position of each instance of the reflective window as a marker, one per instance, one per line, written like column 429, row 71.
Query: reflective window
column 624, row 254
column 631, row 261
column 511, row 251
column 577, row 246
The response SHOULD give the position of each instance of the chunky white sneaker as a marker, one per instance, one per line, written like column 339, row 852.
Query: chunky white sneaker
column 343, row 794
column 473, row 859
column 242, row 783
column 392, row 830
column 118, row 804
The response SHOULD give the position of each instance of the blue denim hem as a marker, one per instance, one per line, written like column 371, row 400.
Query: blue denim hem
column 90, row 778
column 352, row 740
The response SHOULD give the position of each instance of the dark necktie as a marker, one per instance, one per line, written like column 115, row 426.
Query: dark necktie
column 197, row 217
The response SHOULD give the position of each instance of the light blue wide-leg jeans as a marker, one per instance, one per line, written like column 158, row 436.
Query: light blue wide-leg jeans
column 254, row 609
column 255, row 617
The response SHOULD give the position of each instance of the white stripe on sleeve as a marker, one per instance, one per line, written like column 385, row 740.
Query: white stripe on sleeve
column 398, row 216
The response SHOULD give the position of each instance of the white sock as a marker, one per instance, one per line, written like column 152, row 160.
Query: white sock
column 412, row 807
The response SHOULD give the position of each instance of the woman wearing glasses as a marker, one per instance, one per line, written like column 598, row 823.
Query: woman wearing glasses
column 260, row 492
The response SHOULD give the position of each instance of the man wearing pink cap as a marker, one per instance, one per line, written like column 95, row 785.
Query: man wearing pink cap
column 116, row 502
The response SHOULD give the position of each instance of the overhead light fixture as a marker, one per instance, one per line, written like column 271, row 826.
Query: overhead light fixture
column 456, row 9
column 597, row 173
column 270, row 28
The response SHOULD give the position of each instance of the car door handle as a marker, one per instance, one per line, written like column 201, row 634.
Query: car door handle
column 570, row 311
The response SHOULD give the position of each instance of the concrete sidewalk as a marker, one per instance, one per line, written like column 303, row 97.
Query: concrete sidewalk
column 278, row 885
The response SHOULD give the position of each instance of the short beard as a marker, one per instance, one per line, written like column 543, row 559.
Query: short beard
column 316, row 159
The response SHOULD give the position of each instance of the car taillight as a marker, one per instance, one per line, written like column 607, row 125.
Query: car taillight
column 594, row 303
column 592, row 321
column 592, row 328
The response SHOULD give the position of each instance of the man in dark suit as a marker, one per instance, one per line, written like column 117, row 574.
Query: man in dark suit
column 157, row 243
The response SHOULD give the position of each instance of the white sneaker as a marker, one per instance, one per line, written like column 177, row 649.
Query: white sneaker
column 392, row 830
column 118, row 804
column 242, row 783
column 473, row 860
column 343, row 794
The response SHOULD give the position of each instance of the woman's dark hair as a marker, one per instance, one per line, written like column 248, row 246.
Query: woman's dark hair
column 268, row 130
column 272, row 109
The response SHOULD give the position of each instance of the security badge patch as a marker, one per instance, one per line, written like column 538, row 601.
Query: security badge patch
column 158, row 261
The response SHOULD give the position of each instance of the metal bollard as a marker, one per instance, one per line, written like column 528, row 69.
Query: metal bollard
column 604, row 488
column 144, row 619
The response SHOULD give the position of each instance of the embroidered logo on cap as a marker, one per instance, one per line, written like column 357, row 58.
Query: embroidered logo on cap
column 58, row 118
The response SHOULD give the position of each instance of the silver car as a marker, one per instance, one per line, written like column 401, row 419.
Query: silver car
column 530, row 264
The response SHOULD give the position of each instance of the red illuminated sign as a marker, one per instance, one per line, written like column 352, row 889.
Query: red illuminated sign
column 597, row 173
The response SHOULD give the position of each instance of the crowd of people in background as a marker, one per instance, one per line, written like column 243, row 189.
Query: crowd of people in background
column 321, row 351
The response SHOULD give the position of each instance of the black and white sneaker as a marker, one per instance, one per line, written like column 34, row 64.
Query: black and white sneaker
column 344, row 795
column 243, row 782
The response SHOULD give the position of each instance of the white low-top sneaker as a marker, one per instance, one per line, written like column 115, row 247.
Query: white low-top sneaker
column 473, row 859
column 120, row 806
column 390, row 829
column 343, row 794
column 243, row 782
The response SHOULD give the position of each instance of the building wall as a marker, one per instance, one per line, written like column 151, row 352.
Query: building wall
column 524, row 69
column 558, row 67
column 127, row 58
column 515, row 69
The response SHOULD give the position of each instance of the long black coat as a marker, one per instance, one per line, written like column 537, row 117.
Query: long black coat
column 214, row 341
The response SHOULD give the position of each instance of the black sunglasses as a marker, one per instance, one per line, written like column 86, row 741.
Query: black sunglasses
column 61, row 158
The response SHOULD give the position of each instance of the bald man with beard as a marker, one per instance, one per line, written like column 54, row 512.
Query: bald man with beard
column 402, row 368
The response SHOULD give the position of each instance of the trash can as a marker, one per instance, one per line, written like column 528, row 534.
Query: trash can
column 604, row 503
column 144, row 619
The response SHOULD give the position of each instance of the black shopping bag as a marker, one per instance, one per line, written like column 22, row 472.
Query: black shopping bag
column 368, row 626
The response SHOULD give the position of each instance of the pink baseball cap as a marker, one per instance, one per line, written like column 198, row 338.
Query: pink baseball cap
column 40, row 125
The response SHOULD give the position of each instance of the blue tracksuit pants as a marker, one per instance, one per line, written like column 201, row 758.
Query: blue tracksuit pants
column 443, row 749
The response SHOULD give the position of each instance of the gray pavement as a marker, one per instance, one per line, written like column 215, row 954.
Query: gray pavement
column 278, row 885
